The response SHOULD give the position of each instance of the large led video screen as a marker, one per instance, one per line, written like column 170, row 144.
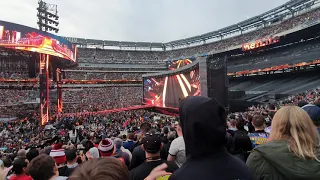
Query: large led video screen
column 21, row 37
column 168, row 91
column 175, row 64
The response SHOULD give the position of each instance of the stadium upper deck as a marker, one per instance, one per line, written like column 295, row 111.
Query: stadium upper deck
column 291, row 16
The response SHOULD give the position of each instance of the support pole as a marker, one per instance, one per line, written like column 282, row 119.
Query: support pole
column 59, row 91
column 44, row 88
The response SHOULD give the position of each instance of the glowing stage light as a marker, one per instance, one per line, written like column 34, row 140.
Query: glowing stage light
column 184, row 91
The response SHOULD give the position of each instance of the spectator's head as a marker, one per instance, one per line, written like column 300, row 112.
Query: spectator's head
column 152, row 144
column 145, row 127
column 33, row 152
column 240, row 123
column 71, row 156
column 258, row 122
column 58, row 154
column 203, row 123
column 272, row 107
column 302, row 103
column 232, row 124
column 171, row 136
column 7, row 162
column 19, row 165
column 178, row 129
column 117, row 143
column 93, row 153
column 165, row 130
column 124, row 137
column 101, row 169
column 89, row 144
column 22, row 153
column 106, row 147
column 314, row 113
column 47, row 150
column 317, row 102
column 42, row 167
column 294, row 125
column 130, row 136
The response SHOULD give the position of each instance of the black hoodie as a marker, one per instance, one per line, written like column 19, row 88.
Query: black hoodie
column 203, row 122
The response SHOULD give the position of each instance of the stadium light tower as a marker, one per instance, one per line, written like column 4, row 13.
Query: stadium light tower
column 48, row 19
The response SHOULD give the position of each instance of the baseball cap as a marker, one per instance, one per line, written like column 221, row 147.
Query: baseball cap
column 152, row 142
column 313, row 111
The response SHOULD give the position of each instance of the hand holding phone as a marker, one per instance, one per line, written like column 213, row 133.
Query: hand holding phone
column 159, row 173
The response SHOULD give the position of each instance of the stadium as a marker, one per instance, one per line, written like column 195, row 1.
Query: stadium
column 68, row 89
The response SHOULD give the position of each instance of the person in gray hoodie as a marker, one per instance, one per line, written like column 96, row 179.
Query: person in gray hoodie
column 44, row 167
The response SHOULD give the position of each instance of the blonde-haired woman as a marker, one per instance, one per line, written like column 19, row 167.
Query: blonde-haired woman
column 293, row 151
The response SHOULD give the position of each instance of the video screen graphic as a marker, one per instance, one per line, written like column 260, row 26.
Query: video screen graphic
column 21, row 37
column 179, row 63
column 168, row 91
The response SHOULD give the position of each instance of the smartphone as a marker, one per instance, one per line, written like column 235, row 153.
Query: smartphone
column 166, row 177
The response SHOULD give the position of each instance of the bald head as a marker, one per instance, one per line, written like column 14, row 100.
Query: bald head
column 22, row 153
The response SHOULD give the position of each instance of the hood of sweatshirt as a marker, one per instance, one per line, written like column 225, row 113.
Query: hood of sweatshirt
column 203, row 123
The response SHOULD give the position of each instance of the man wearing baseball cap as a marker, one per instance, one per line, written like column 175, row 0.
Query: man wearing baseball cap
column 152, row 145
column 314, row 113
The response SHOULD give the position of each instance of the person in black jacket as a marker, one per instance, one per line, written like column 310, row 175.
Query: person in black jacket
column 241, row 141
column 138, row 154
column 203, row 122
column 152, row 146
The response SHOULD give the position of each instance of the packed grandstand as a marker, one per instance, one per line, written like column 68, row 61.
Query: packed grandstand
column 272, row 60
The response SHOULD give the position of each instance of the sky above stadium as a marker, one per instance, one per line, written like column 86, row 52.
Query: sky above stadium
column 138, row 20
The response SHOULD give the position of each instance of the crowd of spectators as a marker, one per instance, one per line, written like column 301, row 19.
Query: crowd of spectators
column 124, row 56
column 262, row 143
column 90, row 75
column 14, row 75
column 13, row 69
column 98, row 99
column 267, row 142
column 14, row 97
column 120, row 56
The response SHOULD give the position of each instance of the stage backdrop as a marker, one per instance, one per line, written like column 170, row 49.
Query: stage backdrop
column 170, row 89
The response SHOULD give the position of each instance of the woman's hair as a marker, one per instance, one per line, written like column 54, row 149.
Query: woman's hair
column 100, row 169
column 293, row 124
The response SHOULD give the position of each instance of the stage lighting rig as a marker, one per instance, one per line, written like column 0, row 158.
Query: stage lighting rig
column 48, row 19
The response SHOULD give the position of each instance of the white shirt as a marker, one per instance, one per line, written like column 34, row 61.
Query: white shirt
column 178, row 149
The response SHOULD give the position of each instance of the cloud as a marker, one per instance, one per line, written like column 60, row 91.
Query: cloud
column 139, row 20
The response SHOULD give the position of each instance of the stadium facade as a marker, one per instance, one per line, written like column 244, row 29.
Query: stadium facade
column 275, row 16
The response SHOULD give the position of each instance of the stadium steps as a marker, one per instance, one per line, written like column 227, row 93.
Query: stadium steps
column 241, row 86
column 297, row 82
column 304, row 87
column 263, row 86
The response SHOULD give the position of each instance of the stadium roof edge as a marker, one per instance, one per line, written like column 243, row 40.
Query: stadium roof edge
column 266, row 17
